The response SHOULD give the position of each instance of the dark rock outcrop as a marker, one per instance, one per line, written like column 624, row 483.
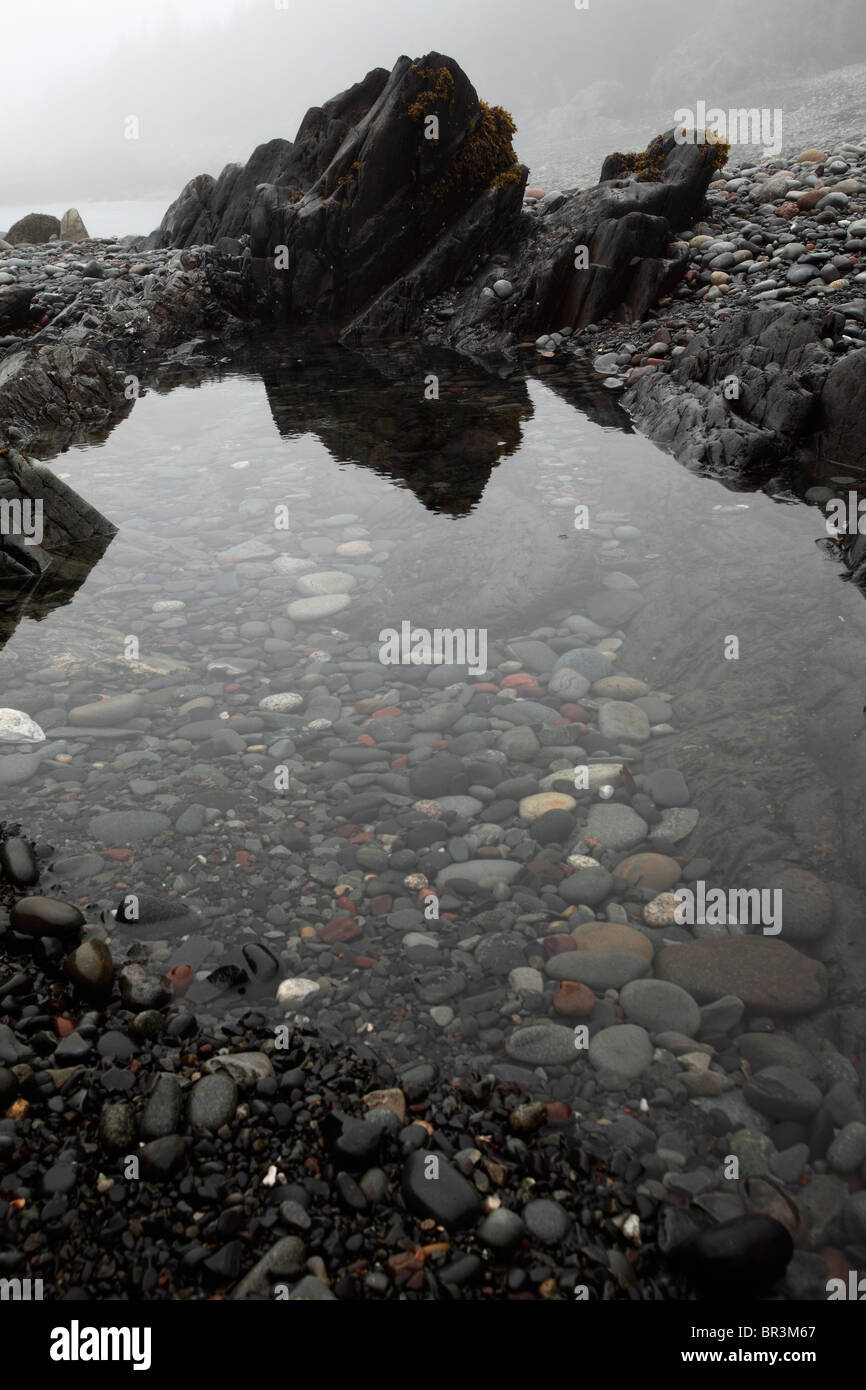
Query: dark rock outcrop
column 763, row 383
column 393, row 221
column 57, row 390
column 33, row 230
column 15, row 311
column 607, row 252
column 372, row 197
column 36, row 578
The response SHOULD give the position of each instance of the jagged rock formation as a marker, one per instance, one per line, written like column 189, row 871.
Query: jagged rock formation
column 403, row 181
column 365, row 220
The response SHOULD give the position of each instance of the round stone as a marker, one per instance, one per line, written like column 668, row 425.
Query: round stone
column 611, row 936
column 294, row 992
column 590, row 886
column 90, row 968
column 554, row 827
column 19, row 863
column 620, row 1054
column 104, row 714
column 525, row 979
column 806, row 902
column 782, row 1093
column 619, row 720
column 568, row 684
column 848, row 1150
column 310, row 610
column 600, row 970
column 46, row 917
column 531, row 807
column 542, row 1044
column 661, row 1007
column 661, row 912
column 573, row 999
column 546, row 1220
column 213, row 1101
column 667, row 787
column 282, row 703
column 587, row 661
column 325, row 582
column 655, row 871
column 502, row 1229
column 615, row 827
column 18, row 727
column 620, row 688
column 769, row 976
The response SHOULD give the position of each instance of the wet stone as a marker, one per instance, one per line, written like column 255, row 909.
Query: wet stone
column 91, row 970
column 546, row 1220
column 213, row 1101
column 117, row 1129
column 433, row 1187
column 542, row 1045
column 18, row 862
column 127, row 827
column 38, row 916
column 620, row 1054
column 660, row 1006
column 782, row 1094
column 162, row 1109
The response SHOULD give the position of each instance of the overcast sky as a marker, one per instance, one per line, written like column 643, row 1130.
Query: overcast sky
column 208, row 80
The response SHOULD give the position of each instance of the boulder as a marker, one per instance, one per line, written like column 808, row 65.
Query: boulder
column 72, row 226
column 769, row 976
column 33, row 230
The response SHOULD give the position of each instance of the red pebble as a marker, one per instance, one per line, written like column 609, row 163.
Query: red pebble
column 487, row 687
column 242, row 857
column 180, row 978
column 364, row 962
column 558, row 944
column 341, row 929
column 347, row 906
column 521, row 680
column 345, row 831
column 573, row 711
column 121, row 854
column 63, row 1026
column 401, row 760
column 367, row 739
column 558, row 1110
column 388, row 710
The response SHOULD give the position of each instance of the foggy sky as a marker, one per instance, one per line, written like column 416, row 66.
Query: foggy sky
column 208, row 80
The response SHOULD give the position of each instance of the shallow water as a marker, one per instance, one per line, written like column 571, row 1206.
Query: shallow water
column 468, row 505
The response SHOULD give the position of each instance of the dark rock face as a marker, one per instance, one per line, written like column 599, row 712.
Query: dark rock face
column 608, row 252
column 36, row 578
column 365, row 219
column 15, row 311
column 33, row 230
column 790, row 390
column 209, row 208
column 364, row 199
